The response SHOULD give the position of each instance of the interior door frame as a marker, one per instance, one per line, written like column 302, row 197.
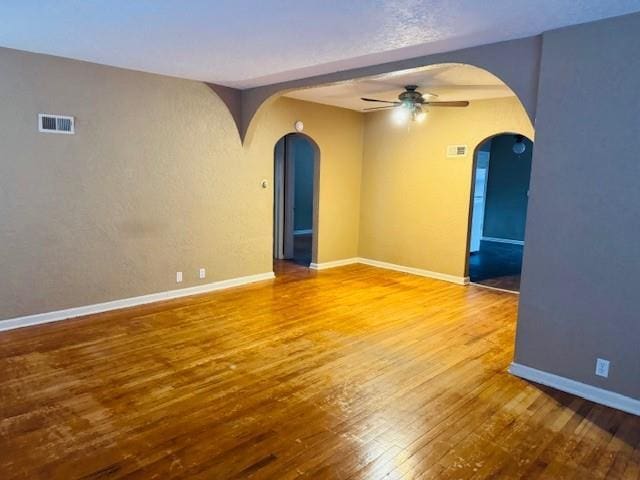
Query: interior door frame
column 284, row 199
column 278, row 199
column 484, row 195
column 289, row 198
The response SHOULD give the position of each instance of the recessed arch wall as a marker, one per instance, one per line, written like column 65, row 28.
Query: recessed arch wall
column 444, row 236
column 338, row 135
column 415, row 200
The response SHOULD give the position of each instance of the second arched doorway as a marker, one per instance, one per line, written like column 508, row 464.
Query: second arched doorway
column 500, row 195
column 296, row 168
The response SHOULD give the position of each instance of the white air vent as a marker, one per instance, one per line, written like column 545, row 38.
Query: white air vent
column 456, row 150
column 48, row 123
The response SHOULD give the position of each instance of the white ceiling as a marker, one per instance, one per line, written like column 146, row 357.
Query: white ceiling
column 446, row 81
column 247, row 43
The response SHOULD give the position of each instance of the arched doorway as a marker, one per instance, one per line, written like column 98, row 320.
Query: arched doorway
column 296, row 166
column 499, row 199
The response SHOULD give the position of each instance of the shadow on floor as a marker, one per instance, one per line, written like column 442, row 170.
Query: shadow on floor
column 287, row 269
column 604, row 418
column 497, row 265
column 302, row 249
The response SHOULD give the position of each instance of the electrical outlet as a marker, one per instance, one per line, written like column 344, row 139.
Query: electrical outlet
column 178, row 277
column 602, row 367
column 203, row 273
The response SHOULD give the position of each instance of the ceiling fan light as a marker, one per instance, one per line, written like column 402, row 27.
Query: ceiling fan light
column 419, row 115
column 401, row 115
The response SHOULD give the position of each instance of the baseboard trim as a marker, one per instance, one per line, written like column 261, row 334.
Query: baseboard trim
column 303, row 232
column 416, row 271
column 502, row 240
column 40, row 318
column 391, row 266
column 333, row 264
column 589, row 392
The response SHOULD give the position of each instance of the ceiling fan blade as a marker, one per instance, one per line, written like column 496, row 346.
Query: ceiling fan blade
column 381, row 101
column 462, row 103
column 380, row 108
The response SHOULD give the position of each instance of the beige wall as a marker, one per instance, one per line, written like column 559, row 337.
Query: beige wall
column 154, row 181
column 415, row 201
column 338, row 134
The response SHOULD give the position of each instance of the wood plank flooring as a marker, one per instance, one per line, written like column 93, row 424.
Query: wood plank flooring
column 350, row 373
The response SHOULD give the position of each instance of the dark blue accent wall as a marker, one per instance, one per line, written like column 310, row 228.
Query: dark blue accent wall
column 507, row 189
column 303, row 154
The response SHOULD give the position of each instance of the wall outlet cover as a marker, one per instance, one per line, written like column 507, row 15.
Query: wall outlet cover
column 203, row 273
column 602, row 367
column 178, row 277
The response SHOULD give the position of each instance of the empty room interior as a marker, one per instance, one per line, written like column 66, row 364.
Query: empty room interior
column 325, row 240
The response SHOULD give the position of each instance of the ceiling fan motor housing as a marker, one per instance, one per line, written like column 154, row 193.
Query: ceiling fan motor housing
column 411, row 96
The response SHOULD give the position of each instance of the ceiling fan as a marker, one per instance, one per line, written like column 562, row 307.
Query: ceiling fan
column 411, row 102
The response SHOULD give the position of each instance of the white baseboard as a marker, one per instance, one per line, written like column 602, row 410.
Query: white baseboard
column 502, row 240
column 333, row 264
column 303, row 232
column 37, row 319
column 391, row 266
column 416, row 271
column 589, row 392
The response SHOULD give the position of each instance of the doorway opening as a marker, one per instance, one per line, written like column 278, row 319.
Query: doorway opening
column 296, row 162
column 500, row 194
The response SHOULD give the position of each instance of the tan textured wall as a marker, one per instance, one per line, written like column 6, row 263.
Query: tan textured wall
column 338, row 133
column 155, row 181
column 415, row 201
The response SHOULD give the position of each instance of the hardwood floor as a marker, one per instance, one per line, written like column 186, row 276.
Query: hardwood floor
column 497, row 265
column 350, row 373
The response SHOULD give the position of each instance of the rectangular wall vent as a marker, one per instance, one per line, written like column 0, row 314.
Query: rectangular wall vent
column 456, row 150
column 48, row 123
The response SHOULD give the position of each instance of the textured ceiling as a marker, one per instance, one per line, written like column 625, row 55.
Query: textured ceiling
column 246, row 43
column 447, row 81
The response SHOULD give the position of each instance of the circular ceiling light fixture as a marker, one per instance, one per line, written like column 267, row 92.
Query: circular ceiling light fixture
column 519, row 146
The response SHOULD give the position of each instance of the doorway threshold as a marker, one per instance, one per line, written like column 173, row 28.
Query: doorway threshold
column 497, row 289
